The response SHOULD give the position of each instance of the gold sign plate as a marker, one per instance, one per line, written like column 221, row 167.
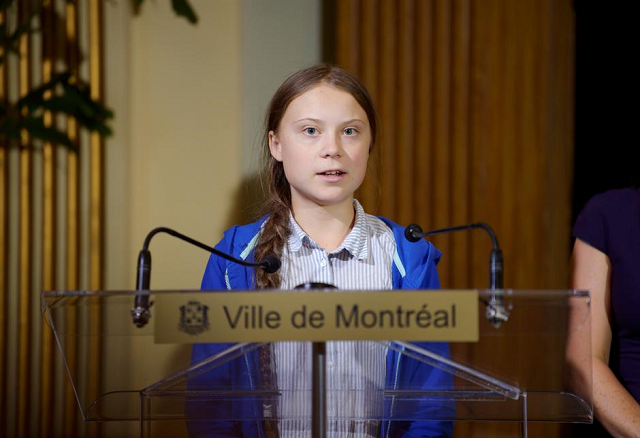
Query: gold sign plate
column 316, row 316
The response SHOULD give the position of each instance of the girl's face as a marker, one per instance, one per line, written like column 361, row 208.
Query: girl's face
column 323, row 143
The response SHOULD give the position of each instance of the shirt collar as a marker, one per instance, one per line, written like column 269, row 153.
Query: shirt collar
column 356, row 242
column 297, row 236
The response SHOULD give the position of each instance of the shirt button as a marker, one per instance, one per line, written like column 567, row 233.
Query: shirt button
column 323, row 262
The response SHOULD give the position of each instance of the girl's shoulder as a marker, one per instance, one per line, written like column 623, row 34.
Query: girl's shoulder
column 237, row 238
column 411, row 250
column 415, row 261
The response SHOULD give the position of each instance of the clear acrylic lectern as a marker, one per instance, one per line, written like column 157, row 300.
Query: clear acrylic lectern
column 534, row 367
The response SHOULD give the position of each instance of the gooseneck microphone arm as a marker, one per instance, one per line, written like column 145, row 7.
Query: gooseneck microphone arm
column 414, row 232
column 140, row 311
column 496, row 313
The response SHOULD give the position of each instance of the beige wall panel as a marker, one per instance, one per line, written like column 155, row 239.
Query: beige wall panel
column 117, row 34
column 184, row 151
column 175, row 157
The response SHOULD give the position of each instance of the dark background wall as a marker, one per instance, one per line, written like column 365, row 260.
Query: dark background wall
column 606, row 100
column 606, row 144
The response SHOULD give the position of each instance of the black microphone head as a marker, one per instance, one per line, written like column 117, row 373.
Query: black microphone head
column 143, row 277
column 315, row 286
column 496, row 270
column 270, row 264
column 413, row 233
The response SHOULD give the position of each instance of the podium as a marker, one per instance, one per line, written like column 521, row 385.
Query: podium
column 536, row 366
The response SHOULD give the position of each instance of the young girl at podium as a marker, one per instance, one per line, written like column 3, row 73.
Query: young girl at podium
column 321, row 129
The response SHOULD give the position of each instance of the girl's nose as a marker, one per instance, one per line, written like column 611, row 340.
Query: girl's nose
column 331, row 147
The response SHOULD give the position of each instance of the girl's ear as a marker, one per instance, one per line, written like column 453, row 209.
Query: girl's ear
column 275, row 146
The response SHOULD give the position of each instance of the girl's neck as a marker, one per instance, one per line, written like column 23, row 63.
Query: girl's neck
column 329, row 225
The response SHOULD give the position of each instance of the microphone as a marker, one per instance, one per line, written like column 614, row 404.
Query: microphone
column 496, row 313
column 140, row 312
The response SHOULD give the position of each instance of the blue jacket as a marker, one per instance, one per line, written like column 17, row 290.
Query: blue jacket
column 414, row 267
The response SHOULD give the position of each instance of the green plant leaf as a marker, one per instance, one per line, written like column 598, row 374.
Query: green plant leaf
column 77, row 103
column 34, row 98
column 69, row 98
column 81, row 96
column 11, row 42
column 9, row 128
column 61, row 94
column 37, row 129
column 12, row 129
column 183, row 8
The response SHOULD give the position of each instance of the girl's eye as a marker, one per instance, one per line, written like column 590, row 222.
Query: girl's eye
column 350, row 131
column 310, row 131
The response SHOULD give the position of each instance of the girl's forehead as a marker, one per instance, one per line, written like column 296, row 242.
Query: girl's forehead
column 325, row 100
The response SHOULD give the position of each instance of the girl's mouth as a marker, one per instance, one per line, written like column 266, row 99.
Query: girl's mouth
column 332, row 176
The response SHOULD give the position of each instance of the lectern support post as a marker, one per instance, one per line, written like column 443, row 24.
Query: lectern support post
column 319, row 405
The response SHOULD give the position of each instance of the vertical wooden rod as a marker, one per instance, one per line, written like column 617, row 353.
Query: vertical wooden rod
column 4, row 248
column 97, row 153
column 72, row 227
column 96, row 255
column 25, row 241
column 48, row 228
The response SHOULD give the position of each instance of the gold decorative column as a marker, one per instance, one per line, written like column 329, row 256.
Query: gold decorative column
column 96, row 193
column 4, row 247
column 73, row 224
column 49, row 198
column 35, row 197
column 25, row 242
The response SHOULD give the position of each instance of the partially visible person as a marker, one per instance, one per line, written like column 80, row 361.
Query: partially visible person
column 606, row 261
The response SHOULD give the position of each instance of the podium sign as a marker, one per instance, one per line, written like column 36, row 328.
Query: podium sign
column 317, row 316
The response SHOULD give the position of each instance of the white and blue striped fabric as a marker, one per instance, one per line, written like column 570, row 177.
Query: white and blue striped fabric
column 355, row 370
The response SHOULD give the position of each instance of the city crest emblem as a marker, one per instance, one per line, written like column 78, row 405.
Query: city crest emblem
column 194, row 318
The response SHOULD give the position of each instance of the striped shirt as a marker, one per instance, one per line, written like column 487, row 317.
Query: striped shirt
column 355, row 370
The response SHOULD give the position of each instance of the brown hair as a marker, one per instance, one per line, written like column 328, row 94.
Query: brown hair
column 278, row 204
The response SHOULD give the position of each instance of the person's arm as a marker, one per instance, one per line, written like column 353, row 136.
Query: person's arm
column 614, row 407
